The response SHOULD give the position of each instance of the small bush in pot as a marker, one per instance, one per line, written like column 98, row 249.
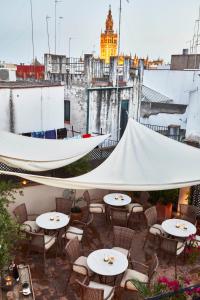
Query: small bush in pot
column 164, row 201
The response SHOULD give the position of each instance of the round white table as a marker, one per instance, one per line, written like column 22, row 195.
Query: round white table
column 178, row 227
column 96, row 263
column 117, row 199
column 52, row 220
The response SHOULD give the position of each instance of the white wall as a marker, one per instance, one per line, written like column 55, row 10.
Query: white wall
column 41, row 198
column 173, row 84
column 4, row 109
column 38, row 108
column 164, row 119
column 35, row 109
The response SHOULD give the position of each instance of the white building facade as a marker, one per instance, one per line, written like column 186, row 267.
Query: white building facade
column 31, row 107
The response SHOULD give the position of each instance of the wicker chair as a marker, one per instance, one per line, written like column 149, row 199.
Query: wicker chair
column 151, row 218
column 118, row 216
column 20, row 212
column 122, row 239
column 77, row 261
column 96, row 208
column 135, row 212
column 63, row 205
column 188, row 213
column 79, row 228
column 171, row 247
column 41, row 243
column 91, row 290
column 144, row 276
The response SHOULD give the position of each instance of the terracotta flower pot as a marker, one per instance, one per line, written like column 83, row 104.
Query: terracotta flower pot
column 164, row 211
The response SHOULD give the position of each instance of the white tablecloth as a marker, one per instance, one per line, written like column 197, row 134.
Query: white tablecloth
column 52, row 220
column 178, row 227
column 97, row 264
column 117, row 199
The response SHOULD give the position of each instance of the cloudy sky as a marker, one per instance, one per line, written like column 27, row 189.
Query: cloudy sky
column 157, row 28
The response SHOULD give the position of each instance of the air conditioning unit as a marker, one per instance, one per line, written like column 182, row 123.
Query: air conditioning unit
column 7, row 74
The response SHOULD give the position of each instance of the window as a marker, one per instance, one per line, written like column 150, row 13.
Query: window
column 67, row 111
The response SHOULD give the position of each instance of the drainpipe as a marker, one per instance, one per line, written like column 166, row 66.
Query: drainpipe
column 88, row 110
column 11, row 112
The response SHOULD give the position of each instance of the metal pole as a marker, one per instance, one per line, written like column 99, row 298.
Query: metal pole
column 56, row 1
column 47, row 23
column 69, row 46
column 33, row 47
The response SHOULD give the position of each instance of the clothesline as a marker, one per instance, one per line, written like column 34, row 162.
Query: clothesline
column 61, row 133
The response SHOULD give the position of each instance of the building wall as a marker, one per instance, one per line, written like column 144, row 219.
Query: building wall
column 77, row 96
column 186, row 61
column 193, row 116
column 41, row 198
column 4, row 109
column 34, row 109
column 174, row 84
column 104, row 110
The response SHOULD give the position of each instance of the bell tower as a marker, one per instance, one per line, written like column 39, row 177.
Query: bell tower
column 108, row 42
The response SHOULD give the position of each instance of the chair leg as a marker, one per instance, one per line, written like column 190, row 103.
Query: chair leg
column 175, row 267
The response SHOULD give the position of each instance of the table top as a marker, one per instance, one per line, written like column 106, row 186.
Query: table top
column 52, row 220
column 117, row 199
column 178, row 227
column 96, row 262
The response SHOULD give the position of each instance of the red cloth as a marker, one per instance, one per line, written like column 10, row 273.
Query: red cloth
column 86, row 135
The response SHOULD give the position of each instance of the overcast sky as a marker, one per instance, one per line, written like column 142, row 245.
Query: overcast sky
column 158, row 28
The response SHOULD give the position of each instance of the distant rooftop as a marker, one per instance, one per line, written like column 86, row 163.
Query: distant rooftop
column 27, row 84
column 150, row 95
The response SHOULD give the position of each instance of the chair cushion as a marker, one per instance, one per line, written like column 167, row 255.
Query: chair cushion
column 97, row 208
column 82, row 261
column 137, row 207
column 156, row 229
column 180, row 247
column 122, row 250
column 49, row 241
column 73, row 232
column 107, row 288
column 30, row 226
column 133, row 274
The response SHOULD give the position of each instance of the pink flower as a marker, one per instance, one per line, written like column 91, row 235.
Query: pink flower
column 187, row 281
column 174, row 285
column 164, row 280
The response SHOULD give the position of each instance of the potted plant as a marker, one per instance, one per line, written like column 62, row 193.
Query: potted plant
column 76, row 212
column 9, row 228
column 164, row 201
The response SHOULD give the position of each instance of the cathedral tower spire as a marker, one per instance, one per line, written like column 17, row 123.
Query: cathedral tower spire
column 108, row 42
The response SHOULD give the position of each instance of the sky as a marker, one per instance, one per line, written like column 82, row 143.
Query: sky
column 157, row 28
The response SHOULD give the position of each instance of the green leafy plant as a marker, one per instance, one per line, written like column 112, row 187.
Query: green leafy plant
column 71, row 195
column 164, row 197
column 77, row 168
column 9, row 228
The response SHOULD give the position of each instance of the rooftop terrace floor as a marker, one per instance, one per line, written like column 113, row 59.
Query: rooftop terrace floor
column 51, row 284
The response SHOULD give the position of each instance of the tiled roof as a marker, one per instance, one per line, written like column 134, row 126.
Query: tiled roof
column 150, row 95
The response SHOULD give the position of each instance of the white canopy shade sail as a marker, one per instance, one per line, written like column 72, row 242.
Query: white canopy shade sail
column 143, row 160
column 34, row 154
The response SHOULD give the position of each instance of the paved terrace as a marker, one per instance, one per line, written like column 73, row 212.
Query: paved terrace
column 51, row 284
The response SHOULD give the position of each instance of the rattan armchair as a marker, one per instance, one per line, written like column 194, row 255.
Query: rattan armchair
column 152, row 219
column 77, row 261
column 63, row 205
column 140, row 272
column 118, row 216
column 188, row 213
column 171, row 247
column 78, row 229
column 122, row 239
column 41, row 243
column 94, row 207
column 91, row 290
column 22, row 217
